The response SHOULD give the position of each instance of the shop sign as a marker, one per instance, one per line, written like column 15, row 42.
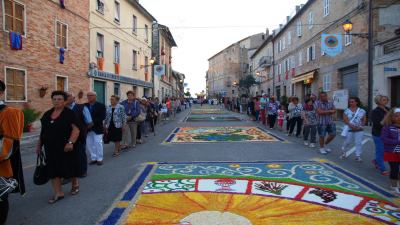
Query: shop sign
column 341, row 99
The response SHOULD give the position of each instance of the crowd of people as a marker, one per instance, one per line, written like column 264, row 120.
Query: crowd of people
column 317, row 116
column 70, row 130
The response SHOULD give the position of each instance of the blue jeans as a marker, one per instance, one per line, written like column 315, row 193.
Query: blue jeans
column 379, row 153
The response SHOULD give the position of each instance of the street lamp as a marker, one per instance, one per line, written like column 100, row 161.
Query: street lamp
column 348, row 27
column 152, row 61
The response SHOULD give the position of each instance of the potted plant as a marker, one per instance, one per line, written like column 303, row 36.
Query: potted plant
column 43, row 90
column 30, row 116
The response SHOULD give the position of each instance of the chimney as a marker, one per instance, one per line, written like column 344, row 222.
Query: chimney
column 287, row 19
column 301, row 6
column 267, row 32
column 263, row 36
column 280, row 26
column 297, row 8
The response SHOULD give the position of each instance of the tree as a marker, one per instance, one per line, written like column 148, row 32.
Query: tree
column 246, row 83
column 187, row 94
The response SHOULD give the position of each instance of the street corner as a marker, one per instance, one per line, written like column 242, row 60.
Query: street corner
column 251, row 193
column 184, row 135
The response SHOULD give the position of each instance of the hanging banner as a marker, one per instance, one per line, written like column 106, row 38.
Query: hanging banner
column 331, row 44
column 159, row 70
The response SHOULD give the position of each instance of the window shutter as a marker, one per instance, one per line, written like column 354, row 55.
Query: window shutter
column 308, row 54
column 313, row 52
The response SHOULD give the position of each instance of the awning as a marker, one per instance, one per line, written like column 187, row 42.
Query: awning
column 306, row 76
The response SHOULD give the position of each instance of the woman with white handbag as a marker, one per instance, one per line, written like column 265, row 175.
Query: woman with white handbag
column 355, row 119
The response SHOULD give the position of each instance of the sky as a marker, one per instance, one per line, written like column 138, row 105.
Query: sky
column 203, row 28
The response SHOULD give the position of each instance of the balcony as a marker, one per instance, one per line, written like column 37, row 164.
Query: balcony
column 265, row 61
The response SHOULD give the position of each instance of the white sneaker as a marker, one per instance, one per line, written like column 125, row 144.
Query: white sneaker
column 327, row 149
column 312, row 145
column 343, row 155
column 306, row 143
column 322, row 151
column 358, row 159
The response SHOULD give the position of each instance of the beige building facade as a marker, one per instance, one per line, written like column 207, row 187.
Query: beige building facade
column 120, row 48
column 163, row 85
column 228, row 66
column 261, row 67
column 301, row 68
column 386, row 64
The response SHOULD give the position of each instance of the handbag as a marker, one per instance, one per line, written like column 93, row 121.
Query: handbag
column 106, row 137
column 40, row 175
column 346, row 128
column 141, row 117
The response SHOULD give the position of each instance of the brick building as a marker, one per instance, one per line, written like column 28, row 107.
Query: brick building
column 33, row 72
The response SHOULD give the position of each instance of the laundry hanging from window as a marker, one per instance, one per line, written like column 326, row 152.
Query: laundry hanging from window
column 15, row 41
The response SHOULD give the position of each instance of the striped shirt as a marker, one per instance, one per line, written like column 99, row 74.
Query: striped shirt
column 324, row 119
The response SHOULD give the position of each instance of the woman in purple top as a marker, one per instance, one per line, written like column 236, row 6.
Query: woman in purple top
column 391, row 141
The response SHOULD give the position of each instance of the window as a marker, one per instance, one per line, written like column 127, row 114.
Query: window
column 117, row 11
column 117, row 89
column 134, row 60
column 289, row 38
column 310, row 20
column 283, row 43
column 100, row 6
column 326, row 7
column 327, row 80
column 14, row 16
column 299, row 29
column 100, row 46
column 116, row 52
column 311, row 53
column 134, row 24
column 293, row 62
column 146, row 32
column 347, row 39
column 300, row 58
column 61, row 83
column 61, row 35
column 15, row 84
column 280, row 69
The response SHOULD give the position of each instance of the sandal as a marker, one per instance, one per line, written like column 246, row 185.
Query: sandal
column 75, row 190
column 115, row 154
column 55, row 199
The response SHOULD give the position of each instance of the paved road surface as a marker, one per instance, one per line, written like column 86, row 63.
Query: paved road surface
column 103, row 184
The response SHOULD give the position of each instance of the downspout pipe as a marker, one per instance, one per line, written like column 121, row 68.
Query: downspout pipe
column 370, row 55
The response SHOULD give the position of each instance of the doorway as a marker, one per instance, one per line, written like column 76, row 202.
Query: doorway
column 350, row 79
column 395, row 92
column 100, row 88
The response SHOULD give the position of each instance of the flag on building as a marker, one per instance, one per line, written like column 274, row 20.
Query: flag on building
column 159, row 70
column 331, row 44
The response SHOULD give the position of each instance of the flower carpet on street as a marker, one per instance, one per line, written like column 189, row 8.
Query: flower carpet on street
column 211, row 118
column 220, row 134
column 207, row 111
column 257, row 193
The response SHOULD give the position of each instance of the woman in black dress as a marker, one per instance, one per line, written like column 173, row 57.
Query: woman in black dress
column 58, row 135
column 115, row 121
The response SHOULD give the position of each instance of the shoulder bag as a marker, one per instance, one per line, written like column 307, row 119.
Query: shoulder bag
column 346, row 128
column 41, row 176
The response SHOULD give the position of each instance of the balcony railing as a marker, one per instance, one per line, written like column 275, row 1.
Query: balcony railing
column 265, row 61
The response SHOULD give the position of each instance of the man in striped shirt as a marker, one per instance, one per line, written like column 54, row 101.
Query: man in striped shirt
column 326, row 125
